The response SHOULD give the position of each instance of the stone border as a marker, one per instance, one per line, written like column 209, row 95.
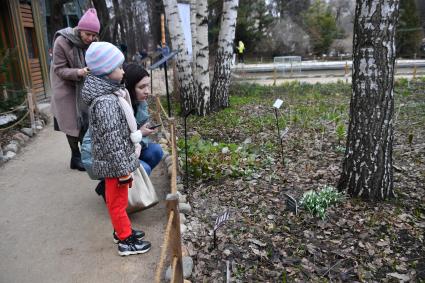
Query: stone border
column 21, row 139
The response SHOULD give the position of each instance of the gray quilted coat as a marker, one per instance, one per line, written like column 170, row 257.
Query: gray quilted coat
column 112, row 150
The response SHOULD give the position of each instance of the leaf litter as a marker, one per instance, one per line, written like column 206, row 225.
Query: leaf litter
column 264, row 242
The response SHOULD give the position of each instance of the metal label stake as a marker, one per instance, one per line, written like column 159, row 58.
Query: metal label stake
column 220, row 221
column 166, row 55
column 277, row 104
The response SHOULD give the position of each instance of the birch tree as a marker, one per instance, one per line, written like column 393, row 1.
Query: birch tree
column 193, row 10
column 367, row 167
column 201, row 73
column 223, row 59
column 184, row 68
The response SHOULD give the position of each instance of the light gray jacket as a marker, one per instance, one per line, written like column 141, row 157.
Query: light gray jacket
column 113, row 152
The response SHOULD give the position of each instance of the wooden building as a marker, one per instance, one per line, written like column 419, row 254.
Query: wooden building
column 21, row 37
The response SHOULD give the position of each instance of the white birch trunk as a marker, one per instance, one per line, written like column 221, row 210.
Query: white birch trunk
column 367, row 169
column 193, row 11
column 221, row 80
column 183, row 66
column 201, row 73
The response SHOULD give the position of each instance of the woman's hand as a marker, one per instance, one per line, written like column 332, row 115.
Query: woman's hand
column 83, row 72
column 145, row 130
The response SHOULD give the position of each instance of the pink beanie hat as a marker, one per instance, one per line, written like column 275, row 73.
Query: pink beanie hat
column 89, row 21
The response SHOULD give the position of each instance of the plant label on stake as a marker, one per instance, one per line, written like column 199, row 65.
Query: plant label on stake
column 277, row 104
column 284, row 133
column 291, row 204
column 220, row 221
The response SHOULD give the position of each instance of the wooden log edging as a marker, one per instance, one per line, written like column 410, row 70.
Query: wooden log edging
column 172, row 243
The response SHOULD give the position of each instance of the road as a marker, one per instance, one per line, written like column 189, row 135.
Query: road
column 55, row 228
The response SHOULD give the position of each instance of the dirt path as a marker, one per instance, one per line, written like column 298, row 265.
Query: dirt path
column 55, row 228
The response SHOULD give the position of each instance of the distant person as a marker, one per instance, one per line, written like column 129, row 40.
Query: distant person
column 137, row 58
column 67, row 73
column 423, row 46
column 241, row 50
column 115, row 140
column 160, row 56
column 143, row 55
column 164, row 52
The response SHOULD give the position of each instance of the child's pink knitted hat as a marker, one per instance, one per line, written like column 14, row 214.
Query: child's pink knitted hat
column 89, row 21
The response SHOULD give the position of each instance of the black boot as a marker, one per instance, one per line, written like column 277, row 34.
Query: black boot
column 76, row 155
column 77, row 164
column 100, row 189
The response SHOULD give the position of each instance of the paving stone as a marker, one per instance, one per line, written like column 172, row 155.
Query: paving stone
column 28, row 131
column 185, row 208
column 187, row 268
column 9, row 155
column 13, row 147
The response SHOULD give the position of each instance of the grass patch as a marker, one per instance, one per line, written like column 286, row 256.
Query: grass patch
column 213, row 160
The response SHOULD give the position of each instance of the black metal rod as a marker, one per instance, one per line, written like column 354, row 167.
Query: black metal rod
column 186, row 175
column 166, row 88
column 151, row 77
column 278, row 136
column 215, row 240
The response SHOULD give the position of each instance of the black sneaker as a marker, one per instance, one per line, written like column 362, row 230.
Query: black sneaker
column 132, row 246
column 139, row 235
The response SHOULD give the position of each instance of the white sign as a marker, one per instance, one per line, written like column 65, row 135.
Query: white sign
column 278, row 103
column 184, row 12
column 221, row 220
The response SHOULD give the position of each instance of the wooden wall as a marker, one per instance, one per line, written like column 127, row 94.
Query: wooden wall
column 29, row 43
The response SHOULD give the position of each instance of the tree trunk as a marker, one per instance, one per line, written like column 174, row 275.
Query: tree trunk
column 56, row 22
column 105, row 20
column 421, row 11
column 223, row 59
column 155, row 9
column 193, row 11
column 202, row 74
column 184, row 68
column 115, row 34
column 367, row 168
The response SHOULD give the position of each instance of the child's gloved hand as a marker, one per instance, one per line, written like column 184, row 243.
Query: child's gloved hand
column 128, row 179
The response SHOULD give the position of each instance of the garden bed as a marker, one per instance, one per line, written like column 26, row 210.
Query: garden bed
column 235, row 164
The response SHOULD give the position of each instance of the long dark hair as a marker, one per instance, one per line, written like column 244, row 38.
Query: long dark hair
column 133, row 74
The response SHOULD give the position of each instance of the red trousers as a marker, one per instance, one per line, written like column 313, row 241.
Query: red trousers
column 116, row 202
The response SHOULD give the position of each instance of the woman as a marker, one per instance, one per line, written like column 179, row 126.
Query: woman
column 137, row 82
column 67, row 73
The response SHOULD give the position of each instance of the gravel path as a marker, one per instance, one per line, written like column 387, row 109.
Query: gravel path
column 55, row 228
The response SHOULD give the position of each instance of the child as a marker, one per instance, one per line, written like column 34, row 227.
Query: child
column 115, row 139
column 137, row 83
